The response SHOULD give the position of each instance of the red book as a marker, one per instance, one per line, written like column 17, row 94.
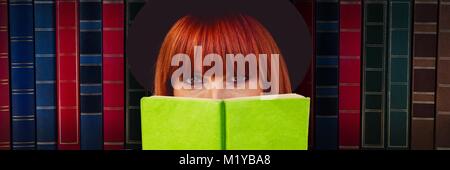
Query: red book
column 349, row 74
column 113, row 75
column 67, row 74
column 4, row 79
column 306, row 88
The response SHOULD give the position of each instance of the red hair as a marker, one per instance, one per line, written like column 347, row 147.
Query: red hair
column 224, row 34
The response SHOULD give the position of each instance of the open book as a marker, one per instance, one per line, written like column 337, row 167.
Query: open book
column 273, row 122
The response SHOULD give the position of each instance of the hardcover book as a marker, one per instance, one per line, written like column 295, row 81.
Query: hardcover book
column 113, row 75
column 91, row 89
column 398, row 77
column 5, row 122
column 443, row 78
column 274, row 122
column 22, row 75
column 424, row 74
column 350, row 74
column 134, row 91
column 327, row 74
column 67, row 75
column 44, row 31
column 374, row 74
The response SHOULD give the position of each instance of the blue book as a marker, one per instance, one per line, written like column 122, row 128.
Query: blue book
column 22, row 75
column 44, row 32
column 91, row 104
column 327, row 74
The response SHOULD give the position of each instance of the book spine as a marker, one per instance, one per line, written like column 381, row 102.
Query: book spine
column 349, row 74
column 113, row 75
column 134, row 91
column 424, row 70
column 44, row 31
column 327, row 73
column 374, row 73
column 5, row 123
column 398, row 75
column 22, row 74
column 91, row 103
column 424, row 74
column 443, row 78
column 67, row 74
column 306, row 9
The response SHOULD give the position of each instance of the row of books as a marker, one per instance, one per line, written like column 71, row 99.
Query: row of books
column 380, row 75
column 63, row 77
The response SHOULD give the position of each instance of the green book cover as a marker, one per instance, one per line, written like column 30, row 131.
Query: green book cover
column 374, row 60
column 398, row 75
column 134, row 91
column 272, row 122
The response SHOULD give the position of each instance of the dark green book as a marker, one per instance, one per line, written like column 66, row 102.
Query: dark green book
column 134, row 91
column 398, row 75
column 374, row 74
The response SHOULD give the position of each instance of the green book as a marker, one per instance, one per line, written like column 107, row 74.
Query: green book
column 272, row 122
column 134, row 91
column 398, row 74
column 374, row 74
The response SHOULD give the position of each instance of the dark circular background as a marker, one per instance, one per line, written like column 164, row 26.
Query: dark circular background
column 155, row 19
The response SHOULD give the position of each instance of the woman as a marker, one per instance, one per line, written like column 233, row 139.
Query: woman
column 181, row 123
column 222, row 35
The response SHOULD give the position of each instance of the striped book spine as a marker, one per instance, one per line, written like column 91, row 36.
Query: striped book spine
column 91, row 103
column 350, row 74
column 398, row 75
column 443, row 78
column 423, row 74
column 44, row 31
column 306, row 9
column 5, row 123
column 374, row 73
column 327, row 73
column 67, row 74
column 134, row 91
column 113, row 75
column 22, row 74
